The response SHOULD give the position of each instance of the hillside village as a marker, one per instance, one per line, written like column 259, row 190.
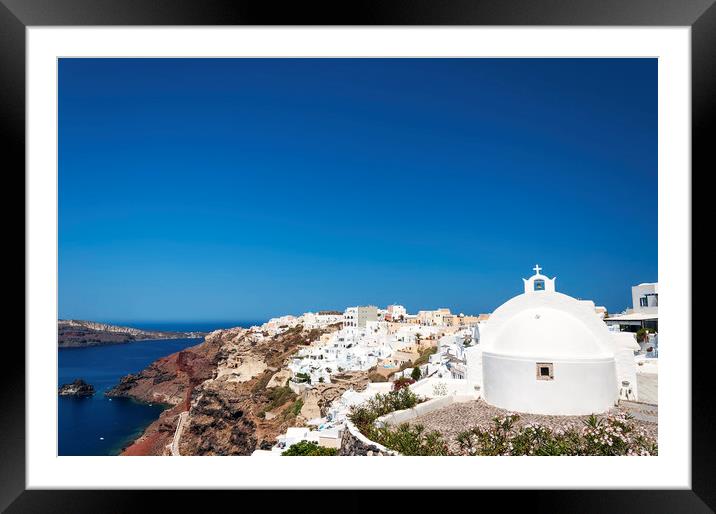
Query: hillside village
column 437, row 355
column 383, row 381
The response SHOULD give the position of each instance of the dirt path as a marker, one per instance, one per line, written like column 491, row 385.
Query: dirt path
column 177, row 434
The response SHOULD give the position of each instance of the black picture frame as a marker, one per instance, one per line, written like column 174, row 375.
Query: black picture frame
column 16, row 15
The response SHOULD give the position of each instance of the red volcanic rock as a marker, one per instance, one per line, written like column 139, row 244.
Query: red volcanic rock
column 170, row 379
column 226, row 404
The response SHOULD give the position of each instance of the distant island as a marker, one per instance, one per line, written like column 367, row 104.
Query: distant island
column 77, row 388
column 79, row 334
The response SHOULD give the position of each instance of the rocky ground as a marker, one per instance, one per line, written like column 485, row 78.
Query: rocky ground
column 234, row 387
column 458, row 417
column 169, row 380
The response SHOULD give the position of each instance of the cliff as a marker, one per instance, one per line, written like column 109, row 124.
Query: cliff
column 79, row 334
column 233, row 389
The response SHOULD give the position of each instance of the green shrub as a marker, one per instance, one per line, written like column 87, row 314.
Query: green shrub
column 302, row 377
column 410, row 440
column 415, row 374
column 425, row 356
column 278, row 396
column 363, row 415
column 294, row 408
column 402, row 399
column 309, row 449
column 313, row 335
column 642, row 333
column 406, row 439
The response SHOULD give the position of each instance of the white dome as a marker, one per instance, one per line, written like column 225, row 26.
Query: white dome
column 547, row 325
column 547, row 333
column 544, row 352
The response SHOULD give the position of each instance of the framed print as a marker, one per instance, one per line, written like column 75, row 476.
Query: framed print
column 253, row 234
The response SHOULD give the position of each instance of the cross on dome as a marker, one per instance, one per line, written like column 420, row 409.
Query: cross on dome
column 539, row 282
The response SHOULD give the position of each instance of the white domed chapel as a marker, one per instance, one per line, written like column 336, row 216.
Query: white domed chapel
column 544, row 352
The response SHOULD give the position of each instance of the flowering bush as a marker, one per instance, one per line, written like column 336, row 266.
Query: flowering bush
column 402, row 382
column 491, row 441
column 615, row 435
column 612, row 435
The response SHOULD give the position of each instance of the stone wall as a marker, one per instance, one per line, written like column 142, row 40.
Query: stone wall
column 355, row 443
column 404, row 416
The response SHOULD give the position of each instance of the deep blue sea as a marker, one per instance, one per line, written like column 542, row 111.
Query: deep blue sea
column 101, row 426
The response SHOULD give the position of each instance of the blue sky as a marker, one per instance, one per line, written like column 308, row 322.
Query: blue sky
column 239, row 189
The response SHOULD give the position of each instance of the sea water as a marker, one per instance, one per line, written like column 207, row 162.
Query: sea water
column 98, row 425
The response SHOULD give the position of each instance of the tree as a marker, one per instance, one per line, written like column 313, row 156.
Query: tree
column 642, row 334
column 309, row 448
column 302, row 377
column 415, row 374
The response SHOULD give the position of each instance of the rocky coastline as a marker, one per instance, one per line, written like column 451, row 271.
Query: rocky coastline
column 233, row 387
column 81, row 334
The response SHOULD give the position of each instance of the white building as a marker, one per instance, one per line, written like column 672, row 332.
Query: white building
column 433, row 318
column 278, row 325
column 358, row 316
column 311, row 320
column 544, row 352
column 645, row 298
column 396, row 313
column 644, row 312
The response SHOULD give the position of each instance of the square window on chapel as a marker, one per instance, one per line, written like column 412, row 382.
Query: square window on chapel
column 539, row 285
column 545, row 371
